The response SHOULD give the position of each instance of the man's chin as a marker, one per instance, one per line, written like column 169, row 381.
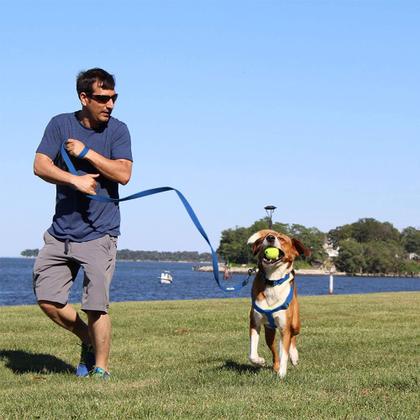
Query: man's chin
column 104, row 117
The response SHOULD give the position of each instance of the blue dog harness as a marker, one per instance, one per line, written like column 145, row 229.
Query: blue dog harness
column 268, row 313
column 152, row 191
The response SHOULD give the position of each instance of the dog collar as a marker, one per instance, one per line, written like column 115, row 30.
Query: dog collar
column 273, row 283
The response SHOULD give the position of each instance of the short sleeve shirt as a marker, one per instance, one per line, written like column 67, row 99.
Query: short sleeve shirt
column 76, row 217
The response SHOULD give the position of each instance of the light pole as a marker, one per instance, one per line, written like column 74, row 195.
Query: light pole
column 270, row 210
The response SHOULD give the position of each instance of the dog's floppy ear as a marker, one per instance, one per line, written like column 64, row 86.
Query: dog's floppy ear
column 255, row 241
column 300, row 248
column 254, row 238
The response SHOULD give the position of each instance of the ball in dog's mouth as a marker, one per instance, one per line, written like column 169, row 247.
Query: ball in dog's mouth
column 272, row 254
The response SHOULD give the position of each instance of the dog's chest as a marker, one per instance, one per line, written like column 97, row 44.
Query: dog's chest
column 277, row 294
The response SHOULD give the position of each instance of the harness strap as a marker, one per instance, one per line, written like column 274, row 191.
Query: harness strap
column 269, row 312
column 188, row 208
column 279, row 281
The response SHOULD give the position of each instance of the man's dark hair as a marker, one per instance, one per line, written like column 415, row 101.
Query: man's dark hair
column 86, row 79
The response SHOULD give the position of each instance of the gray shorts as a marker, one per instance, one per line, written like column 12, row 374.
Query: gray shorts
column 58, row 263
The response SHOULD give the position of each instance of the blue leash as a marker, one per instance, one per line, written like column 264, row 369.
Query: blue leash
column 184, row 201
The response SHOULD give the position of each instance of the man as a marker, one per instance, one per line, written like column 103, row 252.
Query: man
column 84, row 231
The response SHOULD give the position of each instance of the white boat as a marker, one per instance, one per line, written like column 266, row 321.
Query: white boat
column 166, row 277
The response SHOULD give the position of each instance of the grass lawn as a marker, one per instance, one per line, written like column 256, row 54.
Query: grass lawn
column 359, row 358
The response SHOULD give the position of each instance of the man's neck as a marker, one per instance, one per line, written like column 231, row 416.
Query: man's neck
column 86, row 120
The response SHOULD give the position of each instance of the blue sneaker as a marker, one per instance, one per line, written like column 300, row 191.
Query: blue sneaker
column 99, row 373
column 87, row 361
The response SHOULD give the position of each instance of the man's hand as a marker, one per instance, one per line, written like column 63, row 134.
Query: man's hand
column 74, row 147
column 85, row 183
column 118, row 170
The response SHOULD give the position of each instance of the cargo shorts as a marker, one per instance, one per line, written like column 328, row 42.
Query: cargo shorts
column 58, row 263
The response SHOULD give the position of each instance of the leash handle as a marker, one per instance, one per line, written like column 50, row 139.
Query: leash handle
column 83, row 153
column 188, row 208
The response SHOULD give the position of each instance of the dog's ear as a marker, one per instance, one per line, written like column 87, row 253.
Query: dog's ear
column 254, row 238
column 255, row 241
column 300, row 248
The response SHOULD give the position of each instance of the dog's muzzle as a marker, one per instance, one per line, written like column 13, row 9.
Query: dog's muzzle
column 278, row 259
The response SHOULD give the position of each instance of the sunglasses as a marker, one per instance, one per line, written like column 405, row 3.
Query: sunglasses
column 104, row 99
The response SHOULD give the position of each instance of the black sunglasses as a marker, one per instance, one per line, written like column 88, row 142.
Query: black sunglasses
column 103, row 99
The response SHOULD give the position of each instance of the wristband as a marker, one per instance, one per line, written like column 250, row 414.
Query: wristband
column 84, row 152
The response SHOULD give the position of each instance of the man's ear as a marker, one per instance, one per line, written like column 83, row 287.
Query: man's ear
column 300, row 248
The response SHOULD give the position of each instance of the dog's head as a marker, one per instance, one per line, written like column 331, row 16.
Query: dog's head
column 289, row 249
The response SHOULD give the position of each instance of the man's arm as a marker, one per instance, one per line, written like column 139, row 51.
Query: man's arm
column 118, row 170
column 44, row 168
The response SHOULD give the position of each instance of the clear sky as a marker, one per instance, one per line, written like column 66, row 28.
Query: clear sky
column 312, row 106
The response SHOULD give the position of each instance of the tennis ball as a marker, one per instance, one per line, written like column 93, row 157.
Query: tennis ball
column 271, row 253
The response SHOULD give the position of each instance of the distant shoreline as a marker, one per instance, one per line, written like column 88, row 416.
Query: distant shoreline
column 200, row 267
column 125, row 260
column 307, row 272
column 244, row 270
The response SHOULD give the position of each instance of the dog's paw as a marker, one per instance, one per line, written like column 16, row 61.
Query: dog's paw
column 294, row 356
column 257, row 361
column 281, row 374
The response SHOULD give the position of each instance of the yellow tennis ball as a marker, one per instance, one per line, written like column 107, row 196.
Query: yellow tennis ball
column 271, row 253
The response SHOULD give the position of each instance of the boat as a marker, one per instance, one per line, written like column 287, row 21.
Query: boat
column 166, row 277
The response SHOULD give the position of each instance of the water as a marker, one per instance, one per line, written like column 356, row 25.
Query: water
column 135, row 281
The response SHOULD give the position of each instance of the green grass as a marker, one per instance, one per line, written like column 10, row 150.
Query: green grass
column 359, row 359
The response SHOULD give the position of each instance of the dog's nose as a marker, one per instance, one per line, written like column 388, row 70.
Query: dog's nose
column 270, row 238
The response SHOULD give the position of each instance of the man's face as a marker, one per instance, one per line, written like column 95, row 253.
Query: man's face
column 100, row 103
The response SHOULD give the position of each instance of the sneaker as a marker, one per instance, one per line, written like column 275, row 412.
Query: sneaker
column 99, row 373
column 87, row 361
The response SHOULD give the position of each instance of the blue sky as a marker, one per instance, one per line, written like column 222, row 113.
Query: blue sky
column 312, row 106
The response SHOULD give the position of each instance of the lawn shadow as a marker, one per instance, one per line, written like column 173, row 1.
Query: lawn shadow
column 20, row 362
column 240, row 367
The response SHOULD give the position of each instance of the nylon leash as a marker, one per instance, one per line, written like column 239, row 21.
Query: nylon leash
column 188, row 208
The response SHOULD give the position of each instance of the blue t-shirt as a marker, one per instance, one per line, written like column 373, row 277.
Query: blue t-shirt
column 78, row 218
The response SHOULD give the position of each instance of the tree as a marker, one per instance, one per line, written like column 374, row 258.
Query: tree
column 233, row 246
column 370, row 246
column 383, row 257
column 351, row 257
column 30, row 253
column 313, row 239
column 410, row 238
column 340, row 233
column 364, row 230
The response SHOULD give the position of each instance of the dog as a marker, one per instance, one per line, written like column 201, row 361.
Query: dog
column 274, row 298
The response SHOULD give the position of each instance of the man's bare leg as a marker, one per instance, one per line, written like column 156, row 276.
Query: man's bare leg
column 100, row 332
column 67, row 317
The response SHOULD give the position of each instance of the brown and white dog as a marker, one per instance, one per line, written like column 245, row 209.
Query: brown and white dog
column 274, row 298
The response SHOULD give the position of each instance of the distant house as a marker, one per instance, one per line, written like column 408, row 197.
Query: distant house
column 413, row 256
column 330, row 250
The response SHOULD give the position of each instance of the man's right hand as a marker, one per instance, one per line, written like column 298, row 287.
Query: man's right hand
column 85, row 183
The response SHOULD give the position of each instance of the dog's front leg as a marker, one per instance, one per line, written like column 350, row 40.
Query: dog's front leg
column 270, row 335
column 254, row 337
column 284, row 346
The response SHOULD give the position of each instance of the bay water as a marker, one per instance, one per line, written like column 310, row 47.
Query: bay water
column 137, row 281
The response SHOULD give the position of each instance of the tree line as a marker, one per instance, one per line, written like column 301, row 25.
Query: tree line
column 191, row 256
column 364, row 247
column 129, row 255
column 369, row 246
column 233, row 247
